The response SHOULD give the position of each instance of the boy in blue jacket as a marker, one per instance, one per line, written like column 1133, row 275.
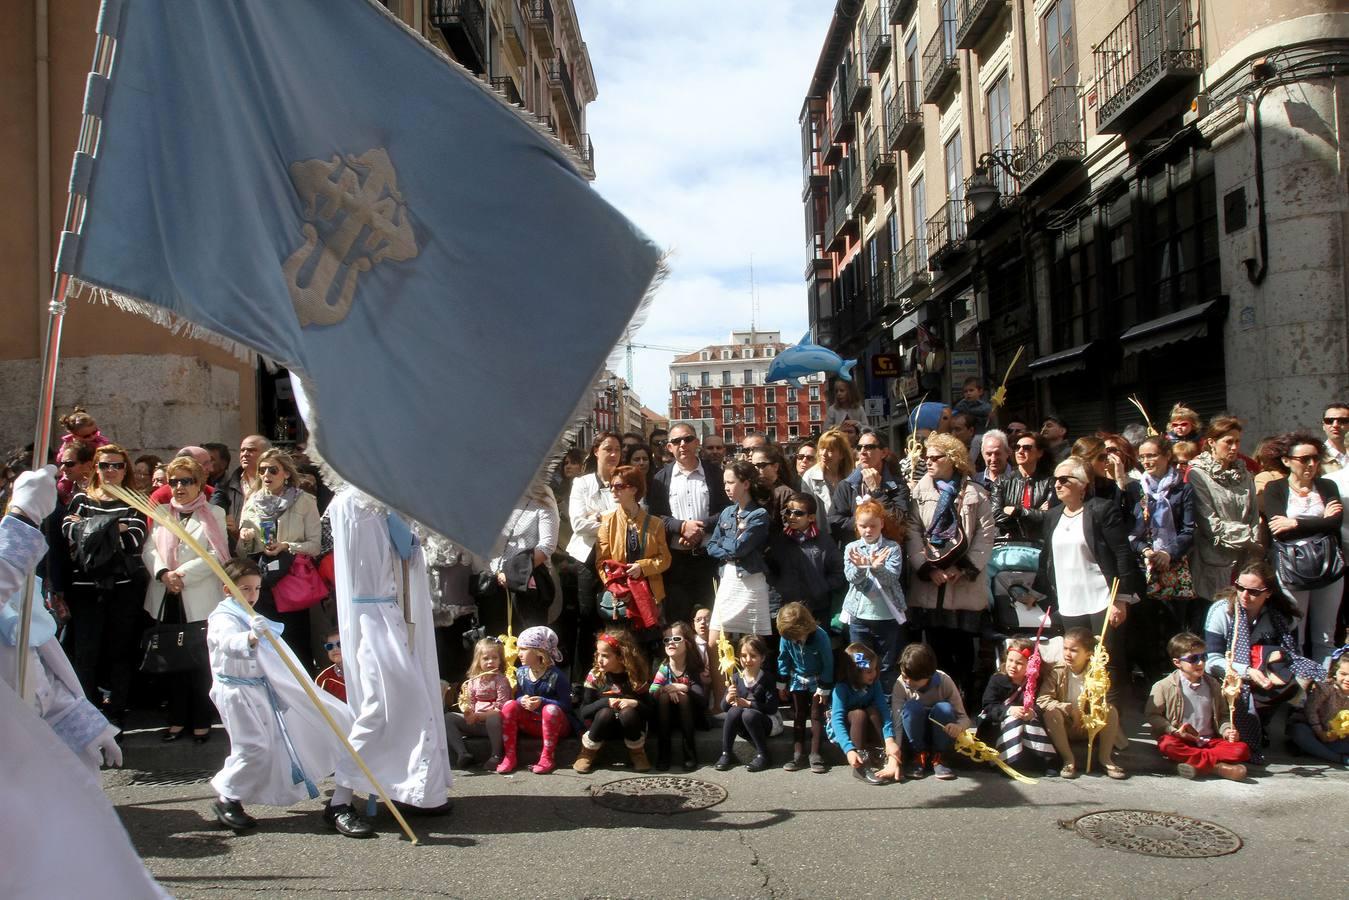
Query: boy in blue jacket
column 806, row 675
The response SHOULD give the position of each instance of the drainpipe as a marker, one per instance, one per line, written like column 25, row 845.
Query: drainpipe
column 43, row 161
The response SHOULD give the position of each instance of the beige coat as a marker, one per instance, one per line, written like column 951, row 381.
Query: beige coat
column 202, row 590
column 298, row 526
column 976, row 518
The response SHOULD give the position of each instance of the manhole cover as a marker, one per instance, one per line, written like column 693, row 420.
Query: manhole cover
column 659, row 794
column 1156, row 833
column 172, row 777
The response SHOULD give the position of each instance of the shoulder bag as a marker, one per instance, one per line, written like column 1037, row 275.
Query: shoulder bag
column 169, row 647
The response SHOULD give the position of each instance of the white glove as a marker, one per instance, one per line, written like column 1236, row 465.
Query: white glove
column 35, row 493
column 821, row 693
column 103, row 750
column 259, row 626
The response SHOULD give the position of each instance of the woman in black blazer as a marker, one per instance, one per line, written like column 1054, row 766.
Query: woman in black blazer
column 1300, row 506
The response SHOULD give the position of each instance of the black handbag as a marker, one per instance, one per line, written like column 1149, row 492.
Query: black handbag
column 1309, row 563
column 169, row 647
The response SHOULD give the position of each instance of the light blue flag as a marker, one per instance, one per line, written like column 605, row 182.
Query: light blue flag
column 311, row 180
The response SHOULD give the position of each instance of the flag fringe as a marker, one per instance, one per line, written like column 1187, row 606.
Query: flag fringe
column 578, row 163
column 160, row 316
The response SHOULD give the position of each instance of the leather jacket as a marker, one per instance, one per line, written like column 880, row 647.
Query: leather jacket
column 1023, row 524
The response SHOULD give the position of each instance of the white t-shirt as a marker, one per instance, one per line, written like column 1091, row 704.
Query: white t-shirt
column 1081, row 585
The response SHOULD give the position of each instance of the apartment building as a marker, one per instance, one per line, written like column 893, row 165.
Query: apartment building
column 720, row 389
column 151, row 389
column 1142, row 197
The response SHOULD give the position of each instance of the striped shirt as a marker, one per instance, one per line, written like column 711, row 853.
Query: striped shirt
column 85, row 507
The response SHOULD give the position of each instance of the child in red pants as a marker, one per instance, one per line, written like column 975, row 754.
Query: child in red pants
column 1189, row 715
column 542, row 704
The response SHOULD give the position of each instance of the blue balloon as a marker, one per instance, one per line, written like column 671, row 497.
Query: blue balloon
column 805, row 358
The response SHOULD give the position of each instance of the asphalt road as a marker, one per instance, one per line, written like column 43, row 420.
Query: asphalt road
column 776, row 835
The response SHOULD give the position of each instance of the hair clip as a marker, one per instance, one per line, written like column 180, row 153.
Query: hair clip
column 1335, row 655
column 609, row 639
column 861, row 660
column 1026, row 652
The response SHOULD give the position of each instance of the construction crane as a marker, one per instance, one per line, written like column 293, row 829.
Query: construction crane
column 630, row 346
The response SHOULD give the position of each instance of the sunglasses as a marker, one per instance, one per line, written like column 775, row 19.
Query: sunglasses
column 1306, row 459
column 1193, row 659
column 1253, row 591
column 181, row 482
column 868, row 446
column 1335, row 420
column 763, row 465
column 673, row 640
column 805, row 456
column 269, row 470
column 1064, row 479
column 1024, row 448
column 794, row 513
column 69, row 463
column 938, row 458
column 686, row 439
column 331, row 645
column 618, row 486
column 116, row 466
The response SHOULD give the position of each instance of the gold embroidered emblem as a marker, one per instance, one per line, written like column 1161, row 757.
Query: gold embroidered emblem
column 365, row 221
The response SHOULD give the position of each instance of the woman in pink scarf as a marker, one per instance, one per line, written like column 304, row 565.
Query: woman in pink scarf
column 186, row 590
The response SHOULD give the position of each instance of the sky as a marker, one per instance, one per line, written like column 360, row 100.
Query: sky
column 697, row 142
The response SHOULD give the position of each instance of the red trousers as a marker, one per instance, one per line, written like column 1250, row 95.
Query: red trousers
column 1202, row 756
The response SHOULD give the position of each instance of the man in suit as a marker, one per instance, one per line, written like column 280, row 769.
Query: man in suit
column 688, row 494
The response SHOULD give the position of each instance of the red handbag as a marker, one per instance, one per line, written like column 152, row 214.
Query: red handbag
column 632, row 598
column 301, row 587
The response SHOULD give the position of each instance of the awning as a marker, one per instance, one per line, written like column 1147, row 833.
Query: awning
column 1184, row 325
column 910, row 323
column 1073, row 359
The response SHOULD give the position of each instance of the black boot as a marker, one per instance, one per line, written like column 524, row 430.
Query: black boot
column 663, row 753
column 690, row 754
column 231, row 814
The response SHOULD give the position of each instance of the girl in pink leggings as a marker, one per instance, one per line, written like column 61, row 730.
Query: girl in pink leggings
column 542, row 704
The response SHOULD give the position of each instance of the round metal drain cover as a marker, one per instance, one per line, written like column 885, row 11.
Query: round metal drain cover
column 659, row 794
column 1156, row 833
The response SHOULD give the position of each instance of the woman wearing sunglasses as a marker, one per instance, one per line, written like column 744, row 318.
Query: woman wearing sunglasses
column 107, row 581
column 1086, row 548
column 1024, row 494
column 184, row 589
column 1226, row 512
column 631, row 536
column 281, row 521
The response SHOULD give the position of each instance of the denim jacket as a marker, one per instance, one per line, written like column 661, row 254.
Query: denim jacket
column 870, row 588
column 742, row 546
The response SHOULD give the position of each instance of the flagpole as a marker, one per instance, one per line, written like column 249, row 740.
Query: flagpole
column 80, row 169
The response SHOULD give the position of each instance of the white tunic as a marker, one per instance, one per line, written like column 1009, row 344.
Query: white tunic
column 393, row 686
column 1081, row 585
column 260, row 767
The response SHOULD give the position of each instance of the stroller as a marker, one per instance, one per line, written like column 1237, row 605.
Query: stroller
column 1017, row 609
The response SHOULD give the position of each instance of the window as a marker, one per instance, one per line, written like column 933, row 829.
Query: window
column 770, row 395
column 999, row 108
column 887, row 91
column 912, row 80
column 728, row 435
column 816, row 377
column 685, row 400
column 747, row 353
column 705, row 355
column 707, row 398
column 769, row 352
column 892, row 234
column 950, row 14
column 793, row 413
column 749, row 415
column 1122, row 277
column 814, row 392
column 727, row 415
column 770, row 414
column 1182, row 225
column 726, row 354
column 726, row 396
column 793, row 432
column 683, row 378
column 918, row 194
column 814, row 413
column 748, row 377
column 725, row 377
column 791, row 394
column 705, row 379
column 749, row 395
column 772, row 435
column 1060, row 44
column 1075, row 302
column 955, row 188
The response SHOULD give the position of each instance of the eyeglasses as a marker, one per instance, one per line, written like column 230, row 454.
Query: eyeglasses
column 269, row 470
column 763, row 465
column 1193, row 659
column 1064, row 479
column 619, row 486
column 1024, row 448
column 1335, row 420
column 865, row 447
column 686, row 439
column 806, row 457
column 181, row 482
column 1253, row 591
column 69, row 463
column 116, row 466
column 673, row 640
column 1306, row 459
column 794, row 513
column 331, row 645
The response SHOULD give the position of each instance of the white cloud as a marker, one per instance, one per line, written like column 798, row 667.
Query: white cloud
column 697, row 141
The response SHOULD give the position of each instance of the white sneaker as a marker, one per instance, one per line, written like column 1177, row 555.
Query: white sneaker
column 777, row 725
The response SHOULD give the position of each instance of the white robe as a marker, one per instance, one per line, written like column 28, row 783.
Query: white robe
column 393, row 686
column 59, row 699
column 49, row 791
column 259, row 768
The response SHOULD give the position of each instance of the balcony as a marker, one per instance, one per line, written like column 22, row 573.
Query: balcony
column 910, row 269
column 585, row 148
column 813, row 146
column 946, row 235
column 976, row 18
column 463, row 24
column 1051, row 137
column 876, row 33
column 506, row 87
column 940, row 65
column 1150, row 55
column 841, row 121
column 880, row 162
column 562, row 90
column 995, row 190
column 515, row 32
column 903, row 117
column 539, row 16
column 884, row 301
column 860, row 97
column 900, row 9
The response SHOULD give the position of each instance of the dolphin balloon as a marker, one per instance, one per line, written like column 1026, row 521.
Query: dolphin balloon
column 805, row 358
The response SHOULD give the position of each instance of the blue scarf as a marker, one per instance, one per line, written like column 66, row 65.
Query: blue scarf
column 944, row 526
column 1161, row 521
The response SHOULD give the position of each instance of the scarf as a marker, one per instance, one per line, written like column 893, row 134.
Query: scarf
column 274, row 506
column 167, row 543
column 945, row 526
column 1244, row 717
column 1227, row 476
column 1161, row 521
column 802, row 536
column 43, row 626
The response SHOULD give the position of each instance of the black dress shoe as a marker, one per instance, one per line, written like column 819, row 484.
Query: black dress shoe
column 724, row 763
column 170, row 736
column 425, row 812
column 232, row 815
column 201, row 738
column 346, row 821
column 757, row 764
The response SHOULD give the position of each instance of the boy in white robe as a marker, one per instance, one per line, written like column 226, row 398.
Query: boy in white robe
column 384, row 614
column 280, row 744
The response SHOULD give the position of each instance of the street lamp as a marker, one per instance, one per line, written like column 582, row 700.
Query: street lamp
column 981, row 189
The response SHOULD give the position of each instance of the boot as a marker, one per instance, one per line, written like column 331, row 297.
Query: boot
column 637, row 752
column 663, row 753
column 585, row 760
column 545, row 763
column 508, row 739
column 690, row 754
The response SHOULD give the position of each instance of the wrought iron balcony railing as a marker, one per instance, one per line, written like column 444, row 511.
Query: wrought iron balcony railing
column 900, row 9
column 539, row 15
column 876, row 34
column 880, row 159
column 841, row 119
column 1051, row 135
column 940, row 65
column 976, row 17
column 946, row 233
column 463, row 24
column 903, row 116
column 860, row 96
column 1147, row 56
column 910, row 269
column 506, row 86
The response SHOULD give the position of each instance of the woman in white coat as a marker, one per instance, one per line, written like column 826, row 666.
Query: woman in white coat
column 185, row 589
column 589, row 500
